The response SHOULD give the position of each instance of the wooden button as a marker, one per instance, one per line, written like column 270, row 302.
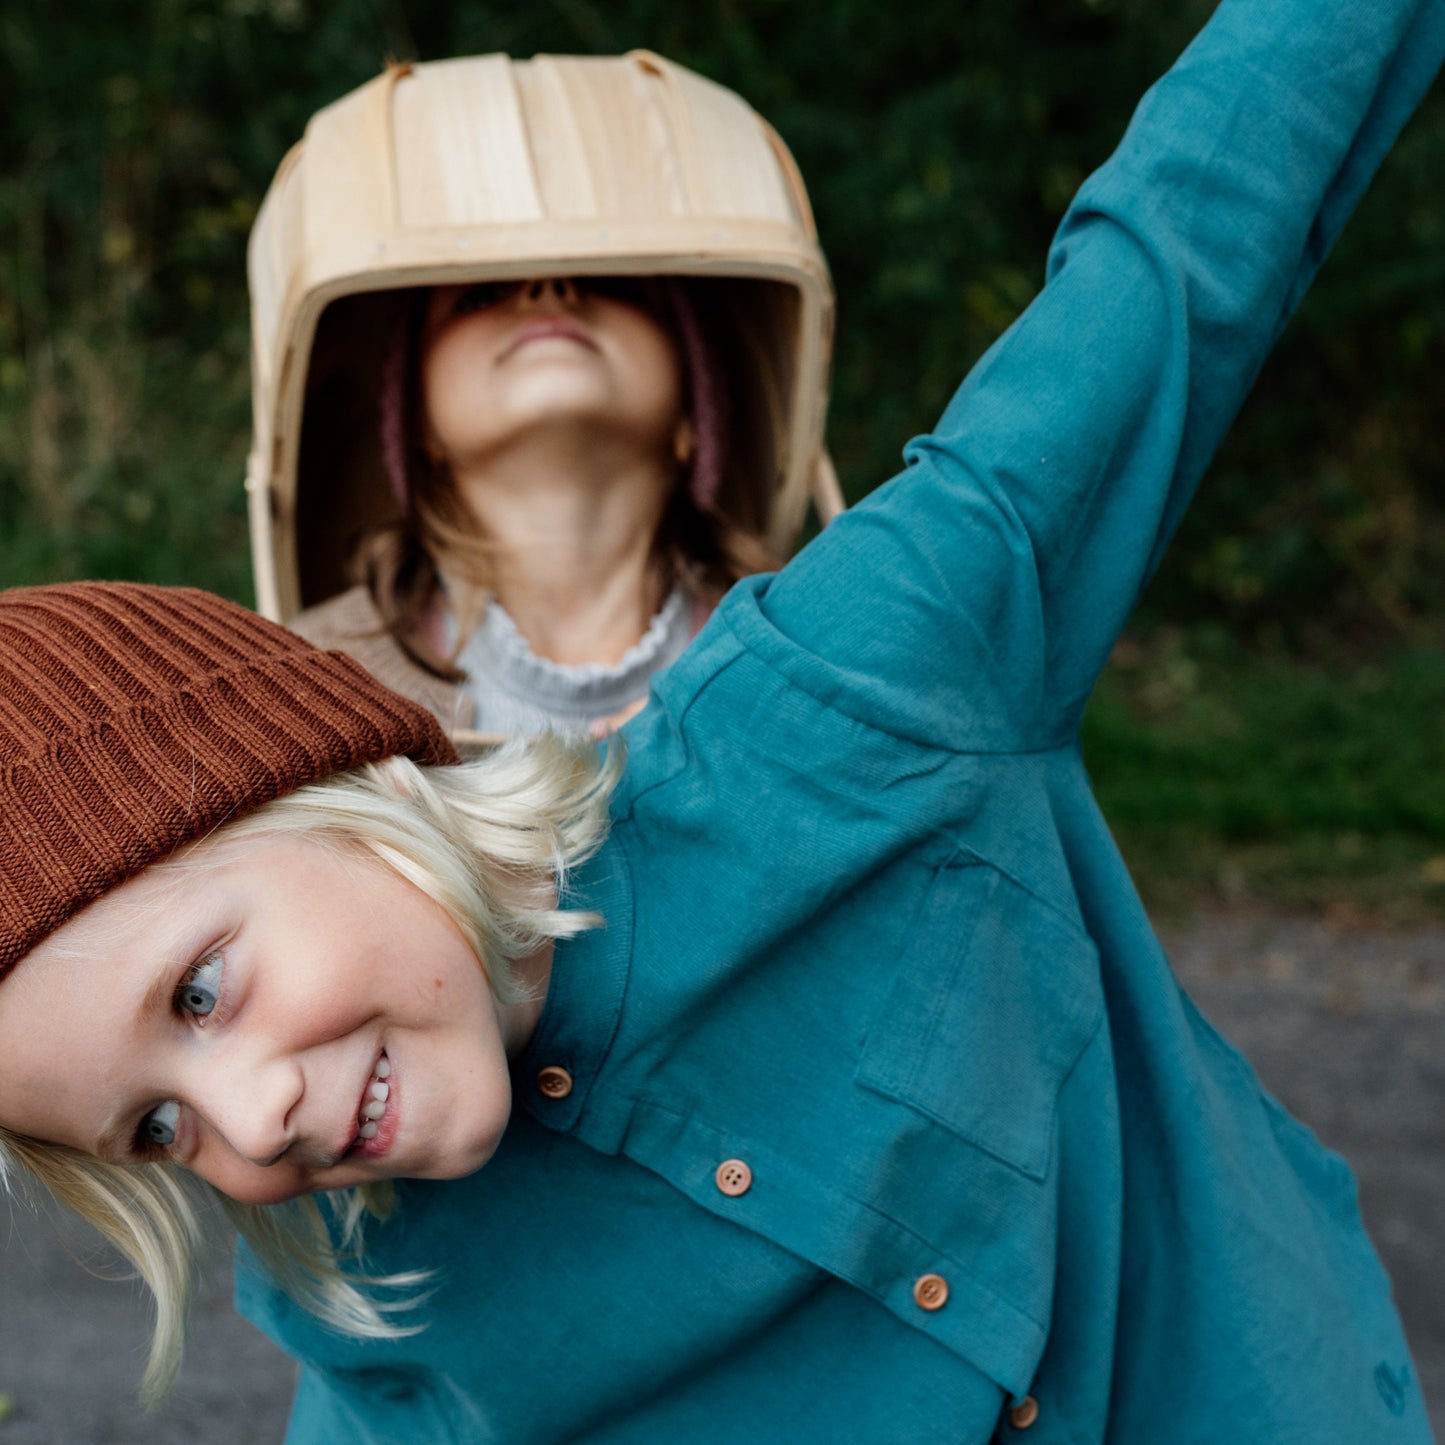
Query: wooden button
column 930, row 1291
column 1024, row 1413
column 733, row 1177
column 555, row 1083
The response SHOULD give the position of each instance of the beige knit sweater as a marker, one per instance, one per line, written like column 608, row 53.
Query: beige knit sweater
column 350, row 623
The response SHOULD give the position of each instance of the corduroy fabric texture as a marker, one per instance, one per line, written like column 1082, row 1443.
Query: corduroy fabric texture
column 134, row 719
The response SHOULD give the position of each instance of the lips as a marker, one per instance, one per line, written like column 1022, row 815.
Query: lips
column 547, row 328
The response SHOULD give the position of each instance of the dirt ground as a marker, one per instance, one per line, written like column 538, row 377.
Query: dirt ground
column 1346, row 1025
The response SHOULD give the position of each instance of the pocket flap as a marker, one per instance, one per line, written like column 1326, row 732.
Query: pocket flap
column 994, row 1002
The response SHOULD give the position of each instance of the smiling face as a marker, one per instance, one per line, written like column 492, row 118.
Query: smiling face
column 503, row 359
column 249, row 1005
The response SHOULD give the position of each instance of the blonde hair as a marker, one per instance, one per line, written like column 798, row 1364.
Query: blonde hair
column 492, row 842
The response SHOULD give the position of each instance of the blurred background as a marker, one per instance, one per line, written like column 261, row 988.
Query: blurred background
column 1269, row 740
column 1271, row 728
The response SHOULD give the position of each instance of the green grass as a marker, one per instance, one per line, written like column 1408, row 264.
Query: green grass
column 1237, row 777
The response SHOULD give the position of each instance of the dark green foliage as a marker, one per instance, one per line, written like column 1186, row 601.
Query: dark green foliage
column 941, row 144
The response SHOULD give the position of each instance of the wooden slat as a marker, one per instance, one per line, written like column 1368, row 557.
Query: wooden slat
column 461, row 169
column 461, row 148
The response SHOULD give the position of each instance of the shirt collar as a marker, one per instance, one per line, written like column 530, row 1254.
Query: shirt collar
column 584, row 995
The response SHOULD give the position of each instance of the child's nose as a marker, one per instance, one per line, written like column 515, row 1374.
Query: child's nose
column 559, row 289
column 252, row 1105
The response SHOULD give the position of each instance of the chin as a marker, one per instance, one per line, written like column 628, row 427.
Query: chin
column 467, row 1156
column 456, row 1166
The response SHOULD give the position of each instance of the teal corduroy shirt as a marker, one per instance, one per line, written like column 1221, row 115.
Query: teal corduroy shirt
column 874, row 1113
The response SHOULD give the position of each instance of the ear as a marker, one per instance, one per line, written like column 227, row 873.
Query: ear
column 683, row 441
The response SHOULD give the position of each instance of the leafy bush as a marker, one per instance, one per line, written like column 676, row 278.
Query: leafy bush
column 941, row 145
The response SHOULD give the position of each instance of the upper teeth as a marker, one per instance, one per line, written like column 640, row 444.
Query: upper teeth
column 375, row 1099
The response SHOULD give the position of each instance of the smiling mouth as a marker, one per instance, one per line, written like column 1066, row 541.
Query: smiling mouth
column 376, row 1113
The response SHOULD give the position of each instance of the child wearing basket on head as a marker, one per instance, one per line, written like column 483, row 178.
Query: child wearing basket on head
column 841, row 1091
column 572, row 390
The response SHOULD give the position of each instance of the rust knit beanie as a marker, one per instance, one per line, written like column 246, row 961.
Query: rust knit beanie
column 134, row 719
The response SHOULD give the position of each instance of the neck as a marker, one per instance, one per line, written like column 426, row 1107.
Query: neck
column 519, row 1020
column 569, row 548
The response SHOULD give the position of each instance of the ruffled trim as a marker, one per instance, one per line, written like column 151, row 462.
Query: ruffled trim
column 517, row 691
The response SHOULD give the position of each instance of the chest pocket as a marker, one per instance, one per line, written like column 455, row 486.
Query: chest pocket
column 994, row 1002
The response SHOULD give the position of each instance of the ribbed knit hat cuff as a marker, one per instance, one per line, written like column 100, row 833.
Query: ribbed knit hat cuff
column 97, row 803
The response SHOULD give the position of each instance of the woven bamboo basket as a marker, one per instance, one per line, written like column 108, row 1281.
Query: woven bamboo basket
column 485, row 167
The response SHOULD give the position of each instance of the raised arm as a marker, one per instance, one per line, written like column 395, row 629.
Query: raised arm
column 974, row 600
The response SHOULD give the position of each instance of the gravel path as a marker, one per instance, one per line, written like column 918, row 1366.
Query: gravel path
column 1346, row 1026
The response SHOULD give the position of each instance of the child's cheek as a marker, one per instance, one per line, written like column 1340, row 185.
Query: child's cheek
column 247, row 1183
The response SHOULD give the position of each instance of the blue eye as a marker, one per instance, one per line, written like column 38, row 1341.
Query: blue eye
column 200, row 989
column 159, row 1126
